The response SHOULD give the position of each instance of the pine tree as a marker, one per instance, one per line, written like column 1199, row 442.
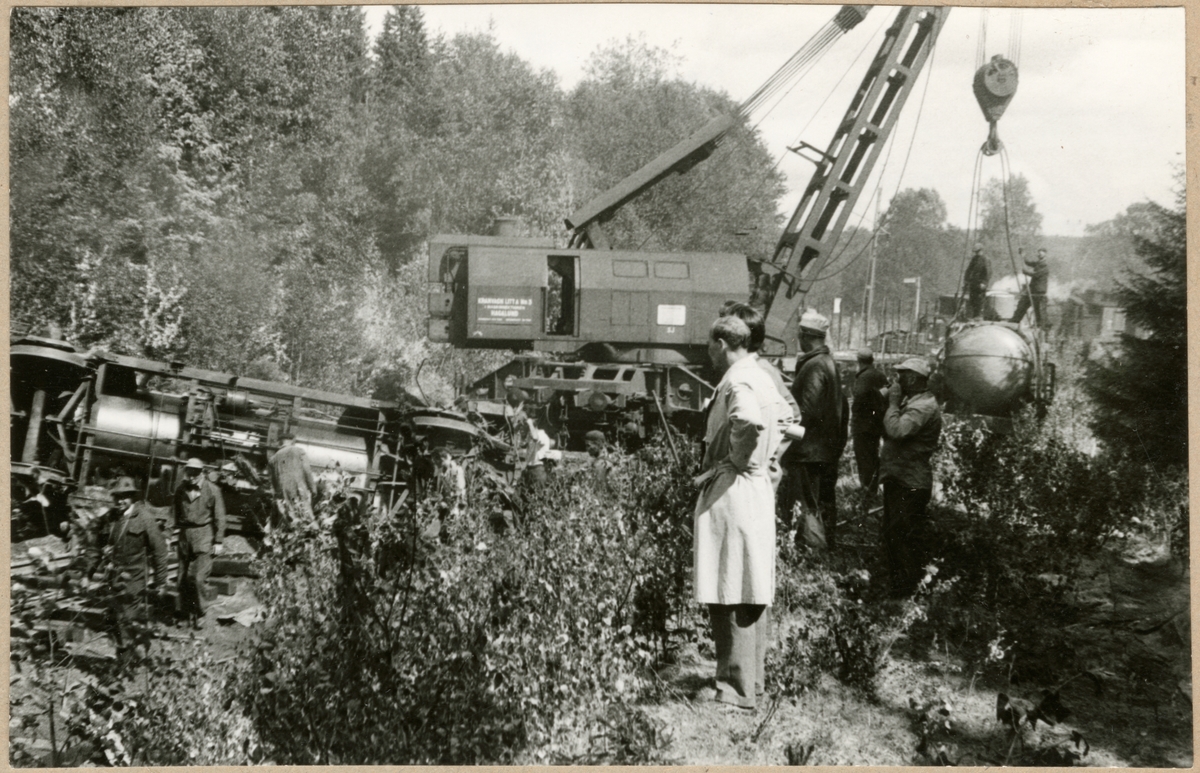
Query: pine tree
column 402, row 54
column 1141, row 391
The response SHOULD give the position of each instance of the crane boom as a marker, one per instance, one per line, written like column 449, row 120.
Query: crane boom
column 843, row 169
column 585, row 223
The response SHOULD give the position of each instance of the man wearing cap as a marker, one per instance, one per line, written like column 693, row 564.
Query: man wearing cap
column 912, row 425
column 1038, row 271
column 200, row 518
column 811, row 465
column 866, row 419
column 292, row 480
column 131, row 539
column 975, row 282
column 733, row 532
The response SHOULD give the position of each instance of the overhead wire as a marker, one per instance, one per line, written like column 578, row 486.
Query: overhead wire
column 783, row 79
column 882, row 171
column 745, row 206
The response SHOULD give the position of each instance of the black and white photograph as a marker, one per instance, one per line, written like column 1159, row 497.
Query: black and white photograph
column 598, row 384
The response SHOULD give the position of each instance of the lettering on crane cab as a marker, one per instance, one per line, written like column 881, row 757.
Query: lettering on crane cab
column 672, row 315
column 497, row 310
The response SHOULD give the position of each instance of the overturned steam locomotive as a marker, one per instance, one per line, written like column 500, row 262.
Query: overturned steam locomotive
column 79, row 419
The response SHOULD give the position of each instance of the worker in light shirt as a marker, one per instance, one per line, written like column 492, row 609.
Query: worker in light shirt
column 537, row 451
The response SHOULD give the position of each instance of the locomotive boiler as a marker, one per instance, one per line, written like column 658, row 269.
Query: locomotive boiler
column 80, row 419
column 992, row 369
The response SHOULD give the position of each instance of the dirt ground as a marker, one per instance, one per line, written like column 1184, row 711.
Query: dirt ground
column 1134, row 630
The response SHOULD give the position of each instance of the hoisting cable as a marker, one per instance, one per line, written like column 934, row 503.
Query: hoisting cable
column 971, row 232
column 846, row 19
column 879, row 181
column 795, row 67
column 981, row 38
column 1008, row 236
column 1014, row 37
column 745, row 206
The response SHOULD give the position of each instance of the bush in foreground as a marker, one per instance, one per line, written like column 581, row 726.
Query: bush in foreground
column 422, row 641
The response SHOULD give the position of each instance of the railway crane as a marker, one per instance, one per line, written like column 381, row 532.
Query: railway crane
column 623, row 342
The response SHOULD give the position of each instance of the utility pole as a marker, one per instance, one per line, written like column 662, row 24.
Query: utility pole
column 871, row 279
column 917, row 302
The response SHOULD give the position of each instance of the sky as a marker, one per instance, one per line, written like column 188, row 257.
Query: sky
column 1097, row 123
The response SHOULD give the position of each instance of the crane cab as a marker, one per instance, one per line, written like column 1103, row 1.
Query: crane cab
column 508, row 293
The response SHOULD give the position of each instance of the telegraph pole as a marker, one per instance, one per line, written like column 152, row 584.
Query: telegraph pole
column 871, row 280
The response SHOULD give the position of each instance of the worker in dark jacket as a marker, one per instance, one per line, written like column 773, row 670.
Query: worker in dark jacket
column 200, row 518
column 912, row 426
column 128, row 546
column 292, row 480
column 1038, row 271
column 866, row 419
column 975, row 282
column 811, row 465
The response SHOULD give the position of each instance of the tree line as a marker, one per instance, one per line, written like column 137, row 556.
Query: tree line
column 250, row 189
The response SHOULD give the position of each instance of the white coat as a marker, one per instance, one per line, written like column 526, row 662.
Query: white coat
column 734, row 522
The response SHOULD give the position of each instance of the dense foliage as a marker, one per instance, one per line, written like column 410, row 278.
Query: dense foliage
column 1140, row 391
column 246, row 189
column 473, row 637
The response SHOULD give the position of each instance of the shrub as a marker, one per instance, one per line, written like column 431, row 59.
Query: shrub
column 1020, row 512
column 834, row 622
column 419, row 641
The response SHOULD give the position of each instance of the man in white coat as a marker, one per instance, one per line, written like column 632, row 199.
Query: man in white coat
column 734, row 530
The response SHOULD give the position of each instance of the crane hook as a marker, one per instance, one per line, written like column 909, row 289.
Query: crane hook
column 994, row 85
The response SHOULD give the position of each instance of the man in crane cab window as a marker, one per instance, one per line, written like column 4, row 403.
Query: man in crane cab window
column 1038, row 271
column 733, row 532
column 811, row 465
column 912, row 426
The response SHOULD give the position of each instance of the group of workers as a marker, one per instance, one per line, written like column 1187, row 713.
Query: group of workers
column 978, row 275
column 771, row 455
column 130, row 545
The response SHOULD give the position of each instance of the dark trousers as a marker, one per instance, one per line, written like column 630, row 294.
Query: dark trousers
column 866, row 456
column 975, row 299
column 195, row 565
column 128, row 614
column 903, row 534
column 814, row 486
column 740, row 633
column 1039, row 310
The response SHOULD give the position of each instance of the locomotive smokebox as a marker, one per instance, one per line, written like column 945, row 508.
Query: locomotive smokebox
column 987, row 369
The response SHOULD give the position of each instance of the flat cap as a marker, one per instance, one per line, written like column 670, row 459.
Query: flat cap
column 918, row 365
column 866, row 355
column 194, row 464
column 123, row 485
column 595, row 435
column 814, row 323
